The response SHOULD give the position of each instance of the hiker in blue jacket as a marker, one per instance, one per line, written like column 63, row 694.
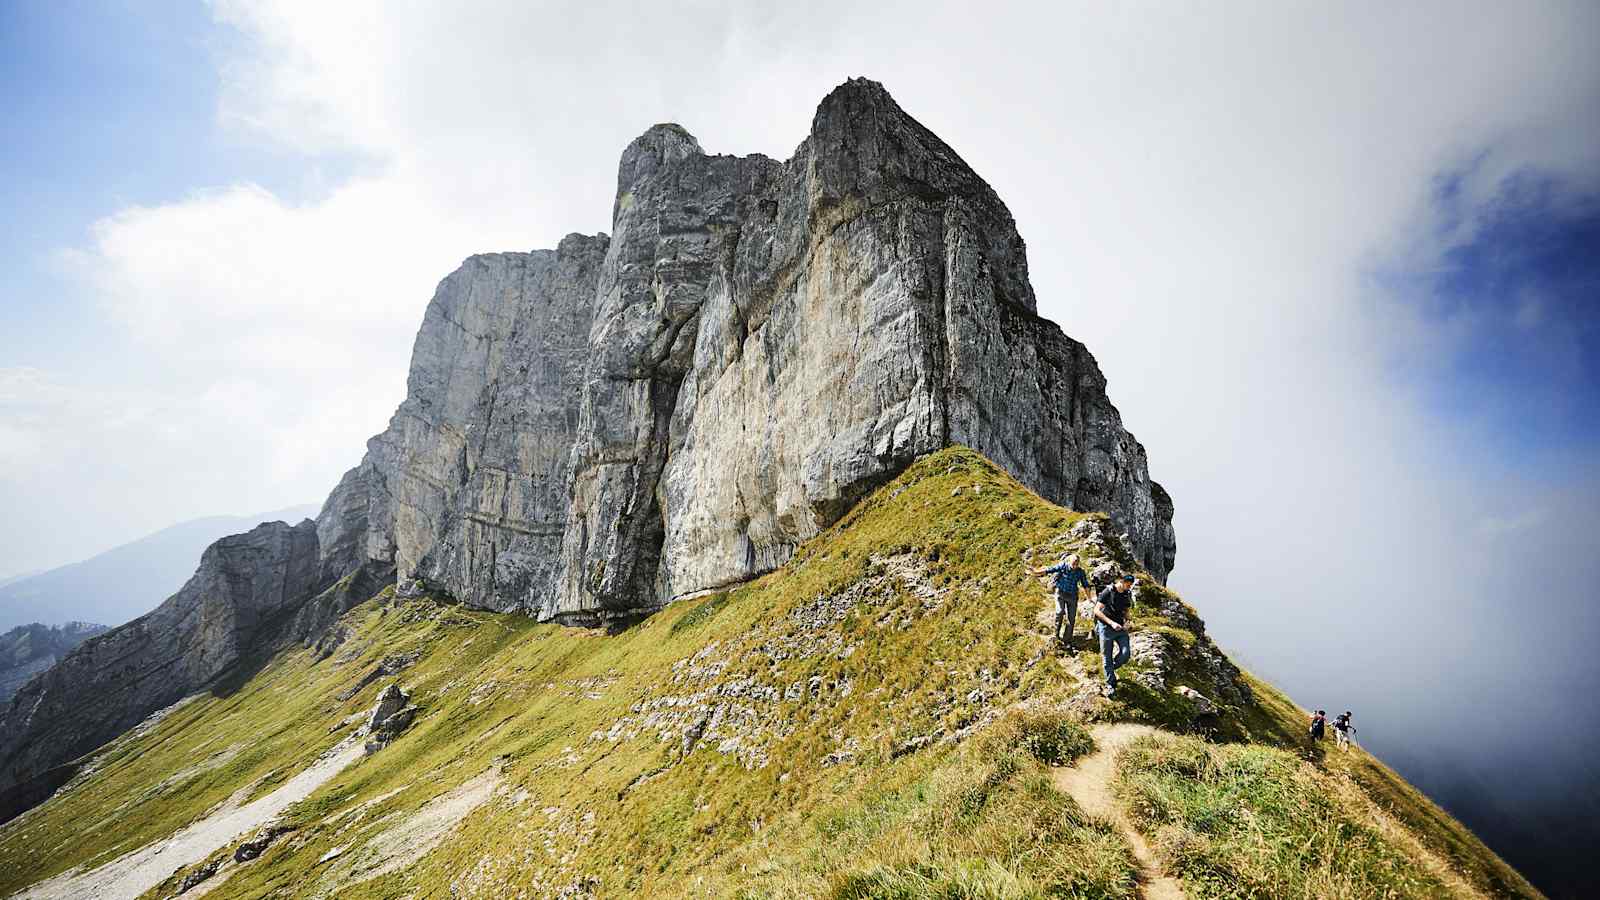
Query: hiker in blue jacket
column 1069, row 580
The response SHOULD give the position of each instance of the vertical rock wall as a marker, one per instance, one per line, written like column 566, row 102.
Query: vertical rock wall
column 591, row 432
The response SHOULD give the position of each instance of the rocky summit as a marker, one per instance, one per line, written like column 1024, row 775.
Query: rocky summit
column 592, row 431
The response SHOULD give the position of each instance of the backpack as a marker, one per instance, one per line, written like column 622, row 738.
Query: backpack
column 1318, row 727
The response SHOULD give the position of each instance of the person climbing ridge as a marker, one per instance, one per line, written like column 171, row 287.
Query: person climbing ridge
column 1111, row 613
column 1319, row 726
column 1343, row 730
column 1069, row 580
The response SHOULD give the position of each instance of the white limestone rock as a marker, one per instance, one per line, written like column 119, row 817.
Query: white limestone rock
column 593, row 431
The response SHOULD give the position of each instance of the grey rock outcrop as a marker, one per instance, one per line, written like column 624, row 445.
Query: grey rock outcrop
column 27, row 650
column 467, row 489
column 391, row 715
column 592, row 431
column 241, row 604
column 390, row 701
column 257, row 843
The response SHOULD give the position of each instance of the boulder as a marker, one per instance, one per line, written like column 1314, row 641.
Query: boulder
column 1202, row 704
column 259, row 842
column 391, row 715
column 390, row 701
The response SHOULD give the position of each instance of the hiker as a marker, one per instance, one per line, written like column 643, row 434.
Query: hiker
column 1319, row 726
column 1342, row 730
column 1111, row 615
column 1069, row 580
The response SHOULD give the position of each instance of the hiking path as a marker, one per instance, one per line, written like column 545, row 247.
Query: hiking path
column 1088, row 782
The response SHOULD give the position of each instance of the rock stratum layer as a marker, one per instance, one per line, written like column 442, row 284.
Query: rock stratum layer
column 592, row 431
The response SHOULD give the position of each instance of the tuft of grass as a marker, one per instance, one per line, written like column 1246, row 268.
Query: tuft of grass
column 701, row 613
column 1051, row 736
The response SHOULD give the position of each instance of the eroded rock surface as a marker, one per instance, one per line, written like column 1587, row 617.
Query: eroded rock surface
column 27, row 650
column 593, row 431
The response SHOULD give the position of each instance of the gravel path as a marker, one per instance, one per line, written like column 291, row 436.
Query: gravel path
column 130, row 875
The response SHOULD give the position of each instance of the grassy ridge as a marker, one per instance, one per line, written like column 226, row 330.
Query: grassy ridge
column 872, row 720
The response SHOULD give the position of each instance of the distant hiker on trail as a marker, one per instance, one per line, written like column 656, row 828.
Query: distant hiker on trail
column 1070, row 579
column 1342, row 729
column 1111, row 614
column 1319, row 726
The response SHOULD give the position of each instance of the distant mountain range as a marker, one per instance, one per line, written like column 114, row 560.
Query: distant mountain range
column 126, row 581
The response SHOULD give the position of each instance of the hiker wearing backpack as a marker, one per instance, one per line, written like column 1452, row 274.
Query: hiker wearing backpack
column 1111, row 617
column 1343, row 730
column 1319, row 726
column 1069, row 580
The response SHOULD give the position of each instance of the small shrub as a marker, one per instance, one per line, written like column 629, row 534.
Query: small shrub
column 1050, row 736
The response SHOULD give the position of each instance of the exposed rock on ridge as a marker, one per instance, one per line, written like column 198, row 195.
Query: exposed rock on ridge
column 593, row 431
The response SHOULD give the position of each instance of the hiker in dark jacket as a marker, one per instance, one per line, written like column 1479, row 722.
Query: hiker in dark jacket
column 1069, row 580
column 1342, row 730
column 1319, row 725
column 1111, row 616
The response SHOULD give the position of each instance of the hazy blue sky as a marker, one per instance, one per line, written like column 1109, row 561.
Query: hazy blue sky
column 1338, row 261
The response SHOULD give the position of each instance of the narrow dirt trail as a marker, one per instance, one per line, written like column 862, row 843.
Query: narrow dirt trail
column 130, row 875
column 1089, row 783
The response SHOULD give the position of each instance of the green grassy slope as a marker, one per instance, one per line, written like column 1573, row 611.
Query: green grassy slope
column 873, row 720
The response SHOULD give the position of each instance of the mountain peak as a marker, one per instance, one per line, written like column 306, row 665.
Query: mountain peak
column 659, row 146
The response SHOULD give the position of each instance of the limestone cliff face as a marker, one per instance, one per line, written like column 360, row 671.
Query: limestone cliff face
column 468, row 490
column 593, row 431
